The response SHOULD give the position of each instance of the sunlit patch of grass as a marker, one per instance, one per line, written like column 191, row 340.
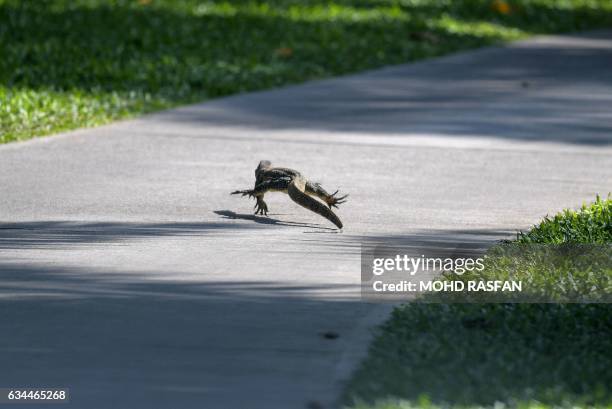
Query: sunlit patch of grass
column 29, row 112
column 564, row 258
column 329, row 12
column 591, row 223
column 483, row 29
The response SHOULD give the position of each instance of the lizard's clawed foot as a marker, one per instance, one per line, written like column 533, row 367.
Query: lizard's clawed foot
column 261, row 207
column 334, row 201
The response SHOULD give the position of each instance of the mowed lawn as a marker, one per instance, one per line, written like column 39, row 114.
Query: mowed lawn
column 73, row 63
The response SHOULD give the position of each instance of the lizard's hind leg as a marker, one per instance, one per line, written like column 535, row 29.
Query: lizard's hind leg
column 315, row 189
column 297, row 193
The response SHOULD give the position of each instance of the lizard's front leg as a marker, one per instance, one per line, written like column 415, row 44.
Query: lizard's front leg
column 248, row 192
column 260, row 206
column 271, row 185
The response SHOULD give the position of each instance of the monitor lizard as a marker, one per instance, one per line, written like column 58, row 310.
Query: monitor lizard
column 299, row 189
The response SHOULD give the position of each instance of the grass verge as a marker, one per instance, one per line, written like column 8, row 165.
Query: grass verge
column 554, row 355
column 73, row 63
column 591, row 224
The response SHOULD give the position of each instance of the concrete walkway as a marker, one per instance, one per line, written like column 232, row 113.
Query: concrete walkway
column 129, row 274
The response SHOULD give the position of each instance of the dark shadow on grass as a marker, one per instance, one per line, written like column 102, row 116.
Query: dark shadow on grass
column 462, row 355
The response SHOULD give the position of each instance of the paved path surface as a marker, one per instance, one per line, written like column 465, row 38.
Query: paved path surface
column 131, row 276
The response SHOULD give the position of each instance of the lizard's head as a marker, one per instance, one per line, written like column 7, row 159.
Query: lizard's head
column 264, row 164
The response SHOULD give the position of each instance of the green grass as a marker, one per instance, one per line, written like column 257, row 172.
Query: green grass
column 71, row 63
column 591, row 224
column 504, row 355
column 548, row 273
column 565, row 258
column 480, row 355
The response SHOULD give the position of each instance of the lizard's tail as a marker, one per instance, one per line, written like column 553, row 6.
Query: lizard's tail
column 296, row 191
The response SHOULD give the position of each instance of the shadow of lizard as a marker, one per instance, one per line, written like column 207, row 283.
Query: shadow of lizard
column 228, row 214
